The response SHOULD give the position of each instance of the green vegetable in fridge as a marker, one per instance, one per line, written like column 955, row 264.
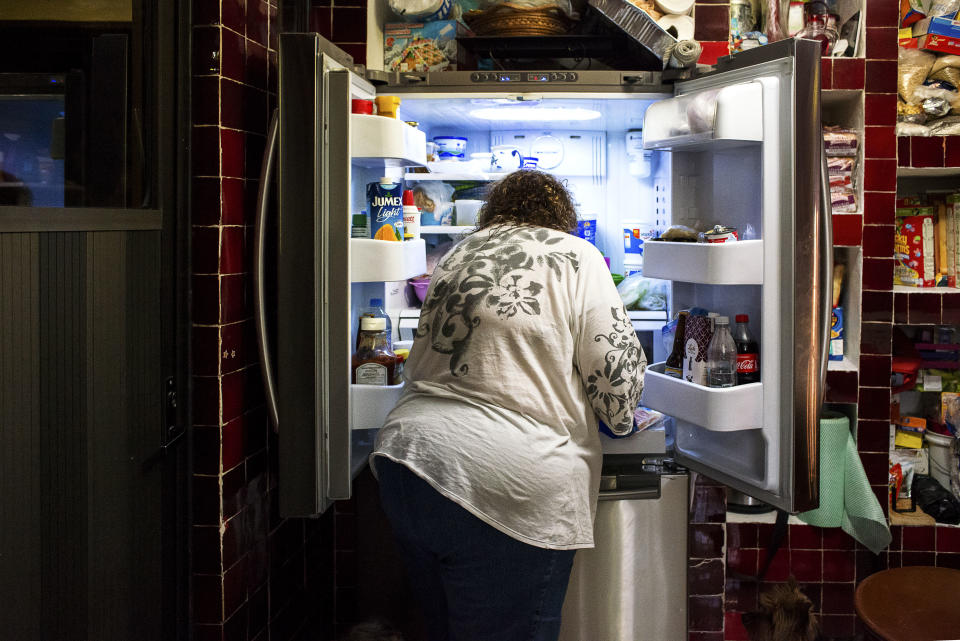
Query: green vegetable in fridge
column 643, row 294
column 617, row 278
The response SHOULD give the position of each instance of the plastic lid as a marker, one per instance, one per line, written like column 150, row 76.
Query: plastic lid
column 743, row 318
column 723, row 320
column 387, row 180
column 373, row 323
column 402, row 352
column 376, row 302
column 408, row 197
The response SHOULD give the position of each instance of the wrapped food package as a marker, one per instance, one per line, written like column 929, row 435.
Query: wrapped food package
column 914, row 66
column 840, row 142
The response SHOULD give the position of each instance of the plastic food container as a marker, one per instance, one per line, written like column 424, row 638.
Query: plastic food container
column 528, row 162
column 450, row 146
column 467, row 210
column 420, row 286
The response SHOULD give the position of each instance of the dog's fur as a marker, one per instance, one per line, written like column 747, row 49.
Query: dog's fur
column 785, row 614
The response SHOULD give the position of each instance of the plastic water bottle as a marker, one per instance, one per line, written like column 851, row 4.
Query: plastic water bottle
column 722, row 356
column 375, row 310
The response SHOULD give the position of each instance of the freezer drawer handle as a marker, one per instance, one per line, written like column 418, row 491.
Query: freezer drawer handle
column 631, row 495
column 260, row 317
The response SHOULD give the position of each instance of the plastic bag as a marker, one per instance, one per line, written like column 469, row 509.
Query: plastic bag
column 435, row 200
column 943, row 8
column 680, row 234
column 562, row 5
column 912, row 129
column 910, row 113
column 914, row 65
column 944, row 62
column 936, row 89
column 936, row 500
column 639, row 293
column 702, row 111
column 948, row 126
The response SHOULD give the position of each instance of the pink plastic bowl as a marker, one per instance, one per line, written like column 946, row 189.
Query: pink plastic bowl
column 420, row 286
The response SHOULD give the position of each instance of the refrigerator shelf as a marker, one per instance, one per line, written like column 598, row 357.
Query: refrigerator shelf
column 736, row 263
column 453, row 230
column 729, row 409
column 452, row 176
column 385, row 260
column 376, row 141
column 370, row 404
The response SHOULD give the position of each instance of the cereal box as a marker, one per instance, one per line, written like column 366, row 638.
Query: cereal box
column 423, row 46
column 914, row 248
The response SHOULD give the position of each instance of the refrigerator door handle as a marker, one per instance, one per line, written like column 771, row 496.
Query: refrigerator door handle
column 826, row 271
column 259, row 302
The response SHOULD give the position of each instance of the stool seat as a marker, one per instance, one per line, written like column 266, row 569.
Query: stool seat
column 910, row 604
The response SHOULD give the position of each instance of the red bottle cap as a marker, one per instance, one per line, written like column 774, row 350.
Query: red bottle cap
column 743, row 318
column 408, row 197
column 359, row 106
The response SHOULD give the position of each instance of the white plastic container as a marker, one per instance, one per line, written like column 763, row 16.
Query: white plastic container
column 467, row 211
column 411, row 222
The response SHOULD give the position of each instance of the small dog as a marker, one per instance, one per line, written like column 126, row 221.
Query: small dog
column 785, row 614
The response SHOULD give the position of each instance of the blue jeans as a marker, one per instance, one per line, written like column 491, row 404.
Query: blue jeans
column 473, row 582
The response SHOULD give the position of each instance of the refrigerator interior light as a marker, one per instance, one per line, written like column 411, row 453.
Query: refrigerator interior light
column 517, row 112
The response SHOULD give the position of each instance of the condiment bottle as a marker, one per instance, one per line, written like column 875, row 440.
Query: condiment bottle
column 374, row 363
column 402, row 355
column 411, row 216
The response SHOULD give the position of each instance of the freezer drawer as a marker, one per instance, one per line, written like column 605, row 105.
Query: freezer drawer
column 633, row 585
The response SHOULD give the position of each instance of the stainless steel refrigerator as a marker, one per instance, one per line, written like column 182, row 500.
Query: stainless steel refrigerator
column 738, row 147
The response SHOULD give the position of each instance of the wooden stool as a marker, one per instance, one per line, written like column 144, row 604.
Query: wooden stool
column 911, row 604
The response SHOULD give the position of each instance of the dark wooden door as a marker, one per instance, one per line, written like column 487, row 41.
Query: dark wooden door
column 93, row 364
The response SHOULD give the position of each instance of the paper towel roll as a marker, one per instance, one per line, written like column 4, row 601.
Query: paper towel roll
column 846, row 500
column 674, row 7
column 683, row 25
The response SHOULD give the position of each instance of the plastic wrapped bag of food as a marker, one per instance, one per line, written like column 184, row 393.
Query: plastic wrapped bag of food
column 840, row 142
column 936, row 500
column 843, row 200
column 947, row 126
column 680, row 234
column 914, row 66
column 912, row 129
column 910, row 113
column 644, row 294
column 435, row 200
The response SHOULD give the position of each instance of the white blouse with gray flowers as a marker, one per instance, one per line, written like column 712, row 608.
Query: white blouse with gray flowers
column 523, row 344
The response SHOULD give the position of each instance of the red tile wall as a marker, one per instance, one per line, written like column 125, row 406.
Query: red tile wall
column 255, row 576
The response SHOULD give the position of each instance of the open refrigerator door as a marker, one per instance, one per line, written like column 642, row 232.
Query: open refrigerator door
column 746, row 154
column 322, row 150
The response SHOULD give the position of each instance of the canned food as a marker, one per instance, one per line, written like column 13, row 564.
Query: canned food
column 721, row 234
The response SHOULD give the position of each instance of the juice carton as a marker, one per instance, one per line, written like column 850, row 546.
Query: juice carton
column 385, row 204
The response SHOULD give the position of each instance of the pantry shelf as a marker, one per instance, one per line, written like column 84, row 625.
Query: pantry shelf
column 733, row 263
column 384, row 260
column 376, row 141
column 907, row 289
column 728, row 409
column 370, row 404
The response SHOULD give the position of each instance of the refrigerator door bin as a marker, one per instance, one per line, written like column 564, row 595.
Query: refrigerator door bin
column 383, row 260
column 370, row 404
column 717, row 409
column 377, row 141
column 727, row 117
column 735, row 263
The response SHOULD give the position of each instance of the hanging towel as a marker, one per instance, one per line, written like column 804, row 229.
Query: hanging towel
column 846, row 500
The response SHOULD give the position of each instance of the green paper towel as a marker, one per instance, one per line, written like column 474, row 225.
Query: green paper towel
column 846, row 500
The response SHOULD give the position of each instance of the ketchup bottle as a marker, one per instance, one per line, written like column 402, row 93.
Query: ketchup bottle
column 748, row 352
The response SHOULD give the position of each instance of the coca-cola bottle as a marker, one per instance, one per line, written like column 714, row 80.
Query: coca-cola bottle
column 748, row 352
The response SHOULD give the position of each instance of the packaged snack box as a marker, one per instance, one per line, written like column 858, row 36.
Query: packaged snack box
column 913, row 248
column 836, row 335
column 424, row 46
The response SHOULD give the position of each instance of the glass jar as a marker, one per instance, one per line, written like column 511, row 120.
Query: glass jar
column 820, row 24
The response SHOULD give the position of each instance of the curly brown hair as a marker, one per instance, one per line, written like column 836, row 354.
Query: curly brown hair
column 528, row 197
